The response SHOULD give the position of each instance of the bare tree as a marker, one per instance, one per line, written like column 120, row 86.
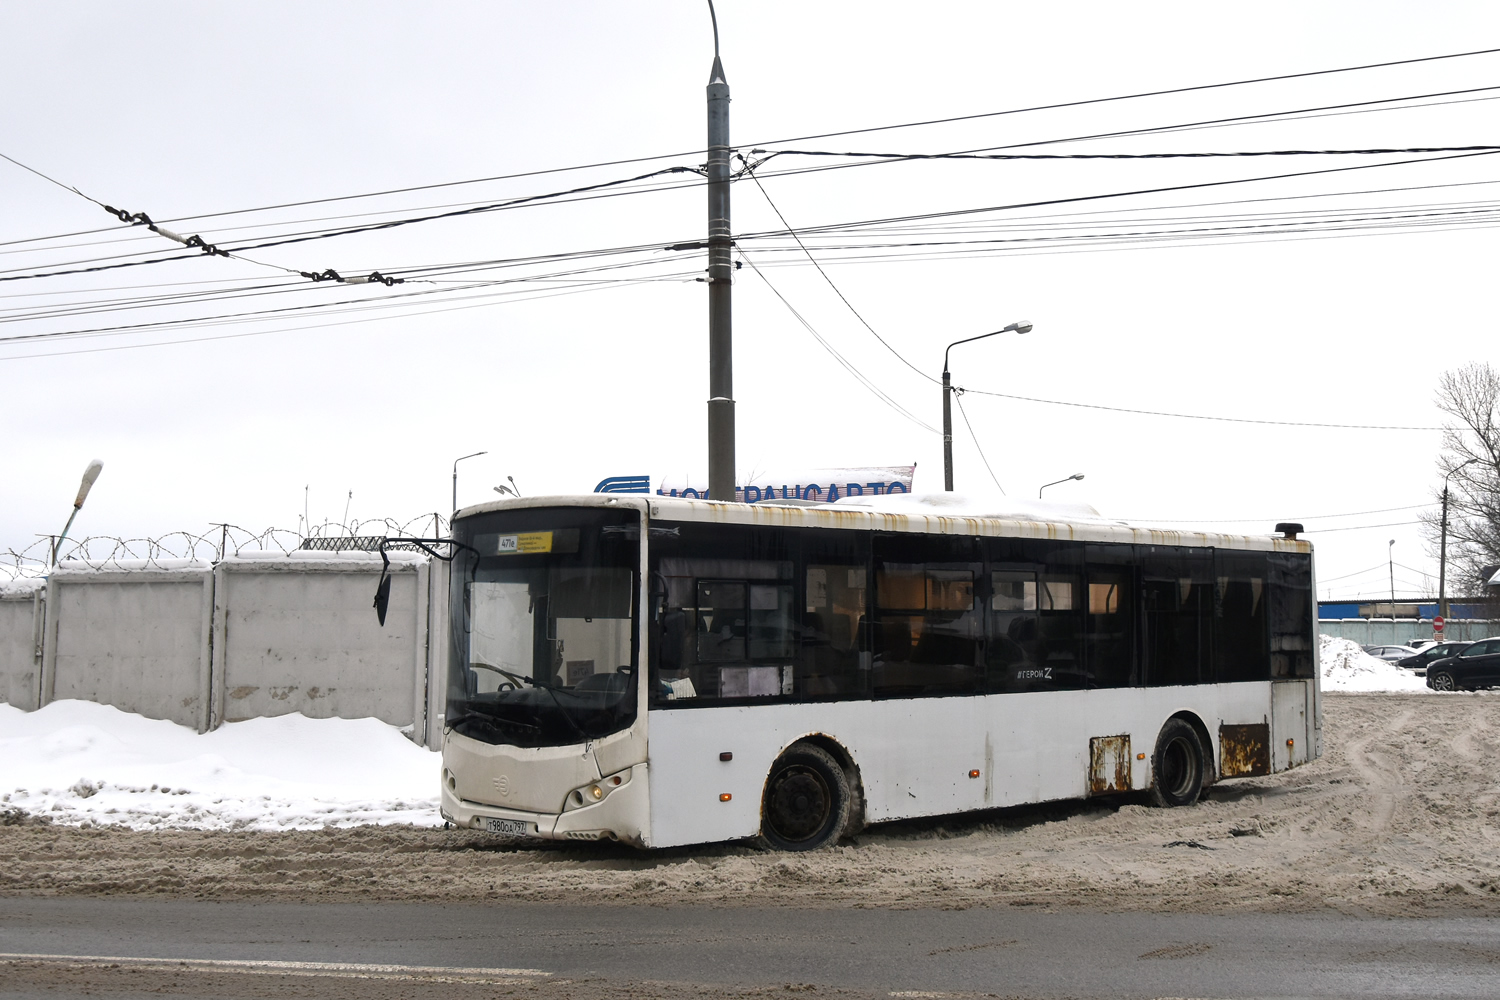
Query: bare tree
column 1470, row 396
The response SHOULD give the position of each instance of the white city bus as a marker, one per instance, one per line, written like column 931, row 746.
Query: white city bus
column 661, row 671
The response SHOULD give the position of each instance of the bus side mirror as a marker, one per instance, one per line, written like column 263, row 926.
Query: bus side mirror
column 383, row 595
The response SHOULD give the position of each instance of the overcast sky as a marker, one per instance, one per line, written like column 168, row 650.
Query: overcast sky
column 183, row 110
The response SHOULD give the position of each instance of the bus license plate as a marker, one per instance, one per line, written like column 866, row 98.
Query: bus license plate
column 508, row 827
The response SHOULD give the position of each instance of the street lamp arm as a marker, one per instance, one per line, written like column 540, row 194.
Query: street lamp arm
column 1023, row 326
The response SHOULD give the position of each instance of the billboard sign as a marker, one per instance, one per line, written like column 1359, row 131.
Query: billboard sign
column 817, row 485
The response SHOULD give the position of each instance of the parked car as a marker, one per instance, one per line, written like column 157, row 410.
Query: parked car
column 1421, row 644
column 1476, row 667
column 1390, row 653
column 1436, row 651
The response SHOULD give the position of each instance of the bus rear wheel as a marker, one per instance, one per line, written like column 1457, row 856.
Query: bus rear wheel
column 1177, row 767
column 807, row 800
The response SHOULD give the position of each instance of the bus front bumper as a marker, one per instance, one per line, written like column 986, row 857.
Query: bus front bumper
column 623, row 815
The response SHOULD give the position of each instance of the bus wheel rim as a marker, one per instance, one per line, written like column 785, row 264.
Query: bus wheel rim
column 1176, row 767
column 800, row 803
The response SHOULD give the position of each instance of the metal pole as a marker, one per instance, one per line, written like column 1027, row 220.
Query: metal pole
column 455, row 478
column 947, row 433
column 1390, row 555
column 1443, row 559
column 720, row 282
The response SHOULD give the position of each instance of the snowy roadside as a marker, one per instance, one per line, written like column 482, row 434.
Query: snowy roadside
column 79, row 763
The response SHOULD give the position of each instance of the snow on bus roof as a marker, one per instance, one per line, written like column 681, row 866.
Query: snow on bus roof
column 967, row 505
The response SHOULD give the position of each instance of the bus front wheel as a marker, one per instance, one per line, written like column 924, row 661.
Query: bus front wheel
column 807, row 800
column 1177, row 766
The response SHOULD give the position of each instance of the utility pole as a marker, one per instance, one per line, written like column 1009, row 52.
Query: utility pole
column 1390, row 555
column 1443, row 546
column 720, row 284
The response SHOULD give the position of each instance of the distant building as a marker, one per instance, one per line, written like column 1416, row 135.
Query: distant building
column 1419, row 608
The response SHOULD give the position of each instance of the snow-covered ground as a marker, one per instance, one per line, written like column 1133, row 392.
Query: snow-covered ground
column 1347, row 667
column 77, row 762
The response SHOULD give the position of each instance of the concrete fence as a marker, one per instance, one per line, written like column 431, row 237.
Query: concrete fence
column 22, row 605
column 134, row 635
column 253, row 635
column 1400, row 631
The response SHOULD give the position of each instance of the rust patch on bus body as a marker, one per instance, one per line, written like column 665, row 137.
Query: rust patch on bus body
column 1244, row 751
column 1109, row 764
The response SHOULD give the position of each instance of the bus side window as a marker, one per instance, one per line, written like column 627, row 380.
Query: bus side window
column 830, row 632
column 1012, row 651
column 1177, row 596
column 1291, row 614
column 1110, row 631
column 1240, row 652
column 926, row 629
column 1059, row 631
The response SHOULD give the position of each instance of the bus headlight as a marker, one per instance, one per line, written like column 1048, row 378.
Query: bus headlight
column 595, row 791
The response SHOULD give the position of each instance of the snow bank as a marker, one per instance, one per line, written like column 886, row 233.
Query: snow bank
column 78, row 762
column 1347, row 667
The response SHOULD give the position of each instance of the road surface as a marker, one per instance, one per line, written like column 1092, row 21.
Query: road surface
column 119, row 948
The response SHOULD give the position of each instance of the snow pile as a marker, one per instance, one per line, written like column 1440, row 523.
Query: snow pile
column 1347, row 667
column 77, row 762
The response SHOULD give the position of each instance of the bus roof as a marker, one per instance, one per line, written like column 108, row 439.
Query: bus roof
column 934, row 513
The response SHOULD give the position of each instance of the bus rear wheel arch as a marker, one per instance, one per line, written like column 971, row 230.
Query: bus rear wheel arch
column 1179, row 767
column 807, row 800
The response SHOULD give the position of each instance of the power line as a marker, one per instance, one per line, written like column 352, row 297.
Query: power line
column 519, row 297
column 1277, row 517
column 893, row 157
column 826, row 278
column 958, row 398
column 843, row 361
column 1197, row 416
column 1362, row 527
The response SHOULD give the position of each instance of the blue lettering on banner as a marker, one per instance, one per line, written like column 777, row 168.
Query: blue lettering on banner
column 815, row 492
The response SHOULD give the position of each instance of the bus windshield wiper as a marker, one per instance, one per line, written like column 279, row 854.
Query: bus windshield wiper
column 551, row 690
column 493, row 724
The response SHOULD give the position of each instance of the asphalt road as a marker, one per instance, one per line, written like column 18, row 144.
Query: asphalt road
column 131, row 947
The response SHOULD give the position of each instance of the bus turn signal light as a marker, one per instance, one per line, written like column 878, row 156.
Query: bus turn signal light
column 725, row 796
column 1289, row 743
column 974, row 774
column 1140, row 756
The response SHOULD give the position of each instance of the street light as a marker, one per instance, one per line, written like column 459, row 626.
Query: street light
column 90, row 474
column 1076, row 475
column 1443, row 545
column 1023, row 326
column 455, row 474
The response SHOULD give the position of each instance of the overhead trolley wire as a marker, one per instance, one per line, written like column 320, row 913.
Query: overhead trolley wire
column 800, row 138
column 951, row 213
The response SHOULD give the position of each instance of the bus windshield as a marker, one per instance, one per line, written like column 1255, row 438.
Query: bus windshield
column 543, row 623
